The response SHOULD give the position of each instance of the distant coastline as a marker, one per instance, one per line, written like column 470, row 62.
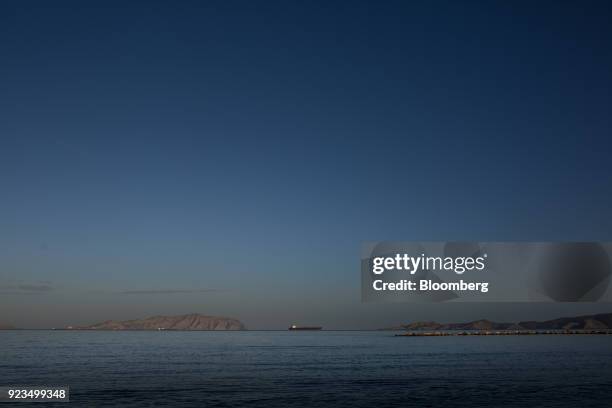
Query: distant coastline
column 586, row 324
column 504, row 333
column 187, row 322
column 599, row 324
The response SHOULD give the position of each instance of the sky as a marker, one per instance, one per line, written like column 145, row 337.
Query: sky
column 230, row 158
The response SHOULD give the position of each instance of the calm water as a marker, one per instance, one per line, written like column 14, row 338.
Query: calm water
column 265, row 369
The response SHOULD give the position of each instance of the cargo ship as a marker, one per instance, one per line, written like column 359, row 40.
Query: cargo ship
column 294, row 327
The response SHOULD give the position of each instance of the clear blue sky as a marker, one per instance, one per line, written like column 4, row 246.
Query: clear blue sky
column 230, row 157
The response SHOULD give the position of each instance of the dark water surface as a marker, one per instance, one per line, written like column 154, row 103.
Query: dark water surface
column 266, row 369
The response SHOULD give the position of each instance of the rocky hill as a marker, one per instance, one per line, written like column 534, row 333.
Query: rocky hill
column 192, row 321
column 598, row 321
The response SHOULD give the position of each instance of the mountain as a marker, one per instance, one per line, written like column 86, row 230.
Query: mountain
column 597, row 321
column 7, row 327
column 474, row 325
column 192, row 321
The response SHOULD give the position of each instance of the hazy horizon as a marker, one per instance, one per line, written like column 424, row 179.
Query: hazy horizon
column 388, row 316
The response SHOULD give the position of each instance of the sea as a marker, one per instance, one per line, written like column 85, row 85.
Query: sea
column 309, row 369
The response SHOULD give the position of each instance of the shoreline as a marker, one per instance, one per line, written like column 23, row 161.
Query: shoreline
column 505, row 333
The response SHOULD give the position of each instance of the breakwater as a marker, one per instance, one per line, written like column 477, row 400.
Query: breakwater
column 503, row 333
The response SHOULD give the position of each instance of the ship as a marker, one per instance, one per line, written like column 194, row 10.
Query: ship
column 294, row 327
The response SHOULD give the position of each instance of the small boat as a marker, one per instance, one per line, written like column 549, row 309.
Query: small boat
column 294, row 327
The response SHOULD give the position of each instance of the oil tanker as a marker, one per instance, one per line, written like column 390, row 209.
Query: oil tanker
column 294, row 327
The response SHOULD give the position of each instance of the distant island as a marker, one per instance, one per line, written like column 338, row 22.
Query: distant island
column 7, row 327
column 192, row 321
column 595, row 323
